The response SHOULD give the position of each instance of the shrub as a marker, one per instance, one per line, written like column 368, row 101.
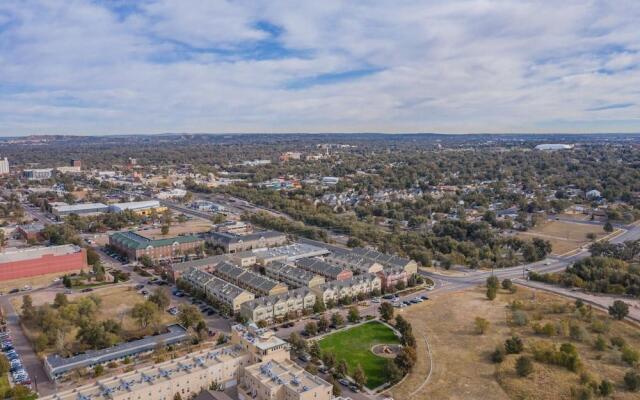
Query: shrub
column 599, row 326
column 605, row 388
column 577, row 332
column 520, row 318
column 498, row 355
column 524, row 366
column 618, row 342
column 600, row 344
column 481, row 325
column 632, row 381
column 513, row 345
column 629, row 355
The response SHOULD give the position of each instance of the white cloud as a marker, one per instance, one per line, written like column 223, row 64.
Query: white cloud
column 462, row 66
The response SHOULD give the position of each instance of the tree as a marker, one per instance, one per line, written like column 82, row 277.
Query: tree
column 323, row 324
column 298, row 344
column 493, row 282
column 353, row 315
column 160, row 297
column 386, row 311
column 60, row 300
column 359, row 376
column 329, row 359
column 491, row 292
column 605, row 388
column 319, row 306
column 146, row 261
column 406, row 358
column 337, row 319
column 513, row 345
column 481, row 325
column 28, row 310
column 619, row 310
column 392, row 371
column 337, row 390
column 632, row 381
column 189, row 315
column 507, row 284
column 524, row 366
column 608, row 227
column 164, row 230
column 342, row 369
column 314, row 350
column 145, row 313
column 66, row 281
column 98, row 370
column 311, row 328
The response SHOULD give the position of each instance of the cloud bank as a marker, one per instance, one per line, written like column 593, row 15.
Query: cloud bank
column 150, row 66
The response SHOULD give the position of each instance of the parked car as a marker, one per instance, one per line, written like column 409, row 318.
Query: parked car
column 87, row 290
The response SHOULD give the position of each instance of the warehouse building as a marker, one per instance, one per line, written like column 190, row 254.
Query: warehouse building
column 134, row 245
column 292, row 276
column 270, row 308
column 329, row 271
column 36, row 261
column 234, row 243
column 258, row 284
column 57, row 366
column 61, row 210
column 139, row 207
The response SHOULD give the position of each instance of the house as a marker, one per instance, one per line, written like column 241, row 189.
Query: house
column 217, row 289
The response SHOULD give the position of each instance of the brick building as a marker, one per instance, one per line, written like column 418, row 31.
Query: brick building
column 134, row 245
column 35, row 261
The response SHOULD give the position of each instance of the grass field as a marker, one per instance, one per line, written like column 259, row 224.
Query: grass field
column 461, row 365
column 564, row 236
column 354, row 346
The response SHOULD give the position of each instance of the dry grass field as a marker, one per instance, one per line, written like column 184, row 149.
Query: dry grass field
column 564, row 236
column 33, row 281
column 462, row 367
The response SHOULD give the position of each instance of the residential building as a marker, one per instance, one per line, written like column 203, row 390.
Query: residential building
column 292, row 276
column 330, row 180
column 281, row 380
column 56, row 366
column 287, row 253
column 258, row 284
column 37, row 174
column 203, row 264
column 261, row 344
column 75, row 163
column 233, row 243
column 208, row 394
column 61, row 210
column 354, row 262
column 139, row 207
column 4, row 166
column 270, row 308
column 30, row 231
column 360, row 284
column 35, row 261
column 134, row 245
column 330, row 271
column 217, row 289
column 387, row 260
column 390, row 277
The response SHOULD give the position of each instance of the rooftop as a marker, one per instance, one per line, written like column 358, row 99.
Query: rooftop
column 276, row 373
column 135, row 205
column 291, row 252
column 79, row 207
column 14, row 255
column 231, row 238
column 134, row 240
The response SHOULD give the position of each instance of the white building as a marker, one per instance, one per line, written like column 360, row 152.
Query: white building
column 4, row 166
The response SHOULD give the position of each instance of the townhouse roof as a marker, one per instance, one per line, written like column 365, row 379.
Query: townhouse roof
column 320, row 267
column 287, row 270
column 355, row 280
column 299, row 293
column 388, row 260
column 251, row 279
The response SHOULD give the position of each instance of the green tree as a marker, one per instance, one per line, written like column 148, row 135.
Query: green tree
column 160, row 297
column 164, row 230
column 28, row 310
column 145, row 313
column 359, row 376
column 342, row 369
column 314, row 350
column 524, row 366
column 323, row 324
column 189, row 315
column 386, row 311
column 353, row 315
column 319, row 306
column 493, row 282
column 491, row 292
column 392, row 371
column 337, row 319
column 311, row 328
column 608, row 227
column 60, row 300
column 619, row 310
column 146, row 261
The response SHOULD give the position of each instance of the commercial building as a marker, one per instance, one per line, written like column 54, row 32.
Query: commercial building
column 237, row 227
column 37, row 174
column 139, row 207
column 364, row 284
column 57, row 366
column 62, row 210
column 217, row 289
column 387, row 260
column 134, row 245
column 330, row 271
column 256, row 283
column 291, row 252
column 206, row 205
column 281, row 380
column 30, row 231
column 4, row 166
column 270, row 308
column 292, row 276
column 233, row 243
column 227, row 366
column 35, row 261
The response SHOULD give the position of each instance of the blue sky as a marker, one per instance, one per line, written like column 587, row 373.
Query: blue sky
column 152, row 66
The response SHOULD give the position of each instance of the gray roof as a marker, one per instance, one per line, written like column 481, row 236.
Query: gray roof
column 388, row 260
column 31, row 253
column 291, row 252
column 222, row 289
column 270, row 300
column 290, row 271
column 349, row 282
column 199, row 264
column 252, row 280
column 232, row 238
column 58, row 365
column 320, row 267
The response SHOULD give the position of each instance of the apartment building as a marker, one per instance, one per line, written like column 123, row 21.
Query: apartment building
column 390, row 277
column 329, row 271
column 270, row 308
column 4, row 166
column 134, row 245
column 258, row 284
column 359, row 284
column 233, row 243
column 261, row 344
column 292, row 276
column 354, row 262
column 387, row 260
column 281, row 380
column 216, row 288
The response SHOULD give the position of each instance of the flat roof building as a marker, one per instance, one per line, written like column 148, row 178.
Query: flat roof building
column 35, row 261
column 57, row 366
column 291, row 252
column 30, row 231
column 233, row 243
column 61, row 210
column 37, row 174
column 139, row 207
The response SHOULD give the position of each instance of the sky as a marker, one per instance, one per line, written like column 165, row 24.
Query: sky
column 95, row 67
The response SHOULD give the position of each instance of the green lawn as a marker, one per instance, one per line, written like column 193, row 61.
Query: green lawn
column 354, row 346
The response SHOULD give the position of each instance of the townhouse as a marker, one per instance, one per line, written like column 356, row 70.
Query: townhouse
column 254, row 282
column 217, row 289
column 334, row 291
column 292, row 276
column 269, row 308
column 329, row 271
